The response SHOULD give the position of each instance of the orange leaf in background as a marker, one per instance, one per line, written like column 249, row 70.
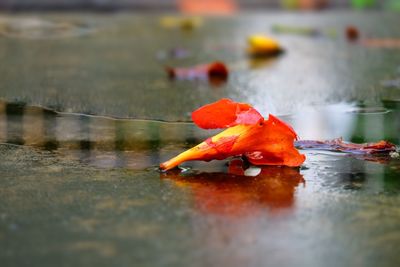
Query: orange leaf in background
column 390, row 43
column 264, row 142
column 229, row 114
column 207, row 7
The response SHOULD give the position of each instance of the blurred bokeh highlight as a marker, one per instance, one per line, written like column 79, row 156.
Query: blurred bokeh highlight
column 196, row 6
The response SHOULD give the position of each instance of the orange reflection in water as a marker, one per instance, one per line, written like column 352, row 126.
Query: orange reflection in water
column 234, row 194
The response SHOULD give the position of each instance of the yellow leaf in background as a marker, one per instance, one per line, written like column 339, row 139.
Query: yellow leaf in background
column 261, row 45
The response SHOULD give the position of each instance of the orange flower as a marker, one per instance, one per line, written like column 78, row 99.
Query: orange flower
column 262, row 142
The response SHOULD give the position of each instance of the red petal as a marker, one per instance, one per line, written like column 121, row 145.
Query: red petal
column 272, row 144
column 223, row 145
column 225, row 113
column 291, row 158
column 275, row 121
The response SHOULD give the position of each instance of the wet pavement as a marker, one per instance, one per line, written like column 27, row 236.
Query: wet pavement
column 87, row 113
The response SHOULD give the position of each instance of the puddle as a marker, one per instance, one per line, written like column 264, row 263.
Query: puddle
column 85, row 190
column 62, row 207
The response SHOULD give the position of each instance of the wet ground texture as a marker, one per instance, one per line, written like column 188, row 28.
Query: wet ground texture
column 87, row 113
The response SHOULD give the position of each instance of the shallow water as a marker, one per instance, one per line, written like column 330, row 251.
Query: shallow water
column 78, row 189
column 85, row 189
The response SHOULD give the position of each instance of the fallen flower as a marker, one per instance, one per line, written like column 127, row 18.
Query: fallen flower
column 214, row 71
column 262, row 141
column 260, row 45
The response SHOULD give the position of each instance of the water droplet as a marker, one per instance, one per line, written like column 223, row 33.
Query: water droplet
column 185, row 169
column 394, row 155
column 252, row 171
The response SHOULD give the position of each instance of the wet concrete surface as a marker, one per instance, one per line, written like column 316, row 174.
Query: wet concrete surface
column 107, row 64
column 79, row 189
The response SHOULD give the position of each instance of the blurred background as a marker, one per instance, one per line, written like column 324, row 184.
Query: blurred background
column 194, row 6
column 88, row 112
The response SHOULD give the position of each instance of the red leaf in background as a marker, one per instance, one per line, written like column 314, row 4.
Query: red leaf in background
column 215, row 70
column 352, row 33
column 225, row 113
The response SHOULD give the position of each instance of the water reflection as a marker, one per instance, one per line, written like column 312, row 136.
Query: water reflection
column 14, row 112
column 261, row 62
column 139, row 144
column 101, row 141
column 234, row 193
